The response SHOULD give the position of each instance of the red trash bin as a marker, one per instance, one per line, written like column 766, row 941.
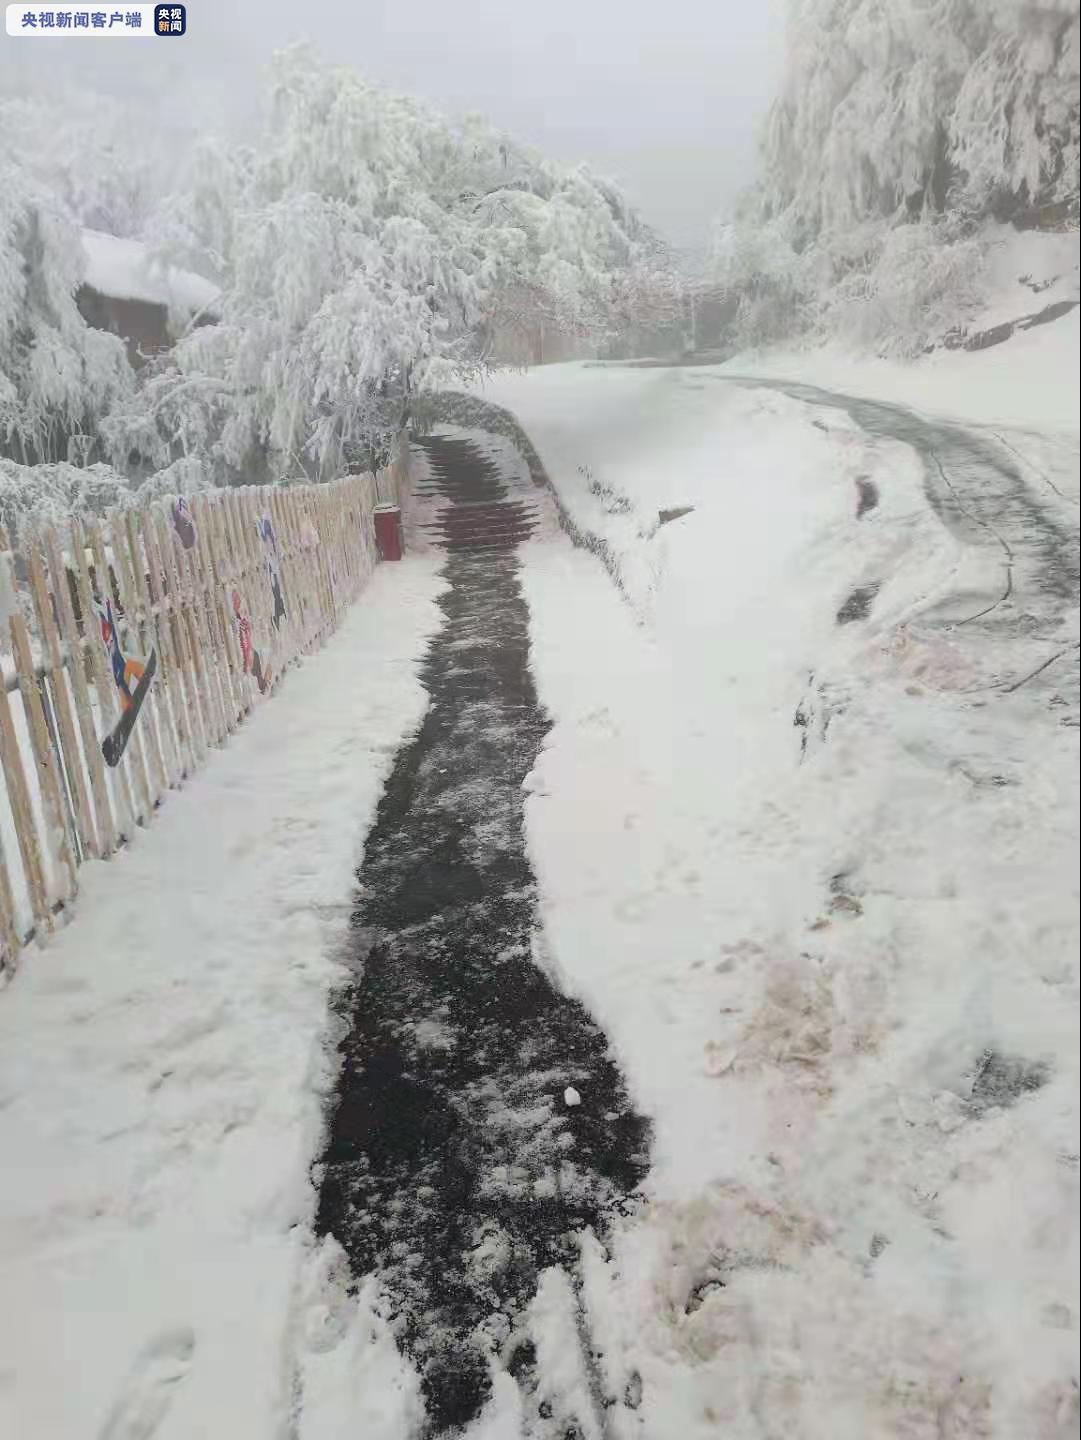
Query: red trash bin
column 388, row 531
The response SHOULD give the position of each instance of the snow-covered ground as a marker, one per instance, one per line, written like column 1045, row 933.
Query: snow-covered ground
column 819, row 884
column 816, row 881
column 163, row 1063
column 1026, row 271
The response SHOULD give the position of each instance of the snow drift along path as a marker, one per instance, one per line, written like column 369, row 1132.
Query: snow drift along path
column 1030, row 383
column 163, row 1068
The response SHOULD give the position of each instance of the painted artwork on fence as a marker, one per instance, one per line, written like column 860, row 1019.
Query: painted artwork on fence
column 183, row 523
column 183, row 682
column 126, row 670
column 249, row 656
column 272, row 556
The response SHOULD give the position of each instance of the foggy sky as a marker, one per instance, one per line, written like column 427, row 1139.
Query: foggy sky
column 666, row 97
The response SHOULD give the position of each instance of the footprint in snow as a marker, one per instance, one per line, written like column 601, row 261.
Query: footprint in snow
column 150, row 1387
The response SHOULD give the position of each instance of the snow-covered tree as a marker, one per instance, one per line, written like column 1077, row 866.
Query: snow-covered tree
column 57, row 375
column 86, row 152
column 362, row 248
column 363, row 245
column 901, row 124
column 887, row 104
column 1013, row 129
column 650, row 304
column 856, row 130
column 775, row 285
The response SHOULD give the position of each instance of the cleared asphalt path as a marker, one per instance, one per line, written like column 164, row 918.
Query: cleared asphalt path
column 454, row 1171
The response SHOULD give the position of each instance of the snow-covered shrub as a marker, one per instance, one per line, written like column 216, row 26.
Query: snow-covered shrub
column 914, row 284
column 186, row 476
column 50, row 494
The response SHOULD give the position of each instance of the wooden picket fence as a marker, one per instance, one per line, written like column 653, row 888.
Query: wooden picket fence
column 61, row 803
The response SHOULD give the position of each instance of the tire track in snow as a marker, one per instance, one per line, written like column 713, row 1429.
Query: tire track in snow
column 983, row 498
column 975, row 490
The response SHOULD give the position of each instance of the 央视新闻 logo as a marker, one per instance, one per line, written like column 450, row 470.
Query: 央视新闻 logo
column 170, row 19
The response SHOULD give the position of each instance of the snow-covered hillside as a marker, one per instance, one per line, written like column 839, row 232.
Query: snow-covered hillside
column 902, row 134
column 1013, row 359
column 983, row 387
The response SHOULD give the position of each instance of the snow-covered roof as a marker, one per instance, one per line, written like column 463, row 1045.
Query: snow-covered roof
column 124, row 270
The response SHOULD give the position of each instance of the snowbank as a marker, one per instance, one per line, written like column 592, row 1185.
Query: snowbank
column 1032, row 379
column 1027, row 270
column 162, row 1063
column 821, row 892
column 124, row 270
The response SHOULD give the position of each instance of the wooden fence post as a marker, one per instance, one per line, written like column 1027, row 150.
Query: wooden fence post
column 104, row 686
column 132, row 602
column 99, row 790
column 47, row 760
column 10, row 940
column 72, row 760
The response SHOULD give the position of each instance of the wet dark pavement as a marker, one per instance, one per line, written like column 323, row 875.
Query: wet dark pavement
column 453, row 1169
